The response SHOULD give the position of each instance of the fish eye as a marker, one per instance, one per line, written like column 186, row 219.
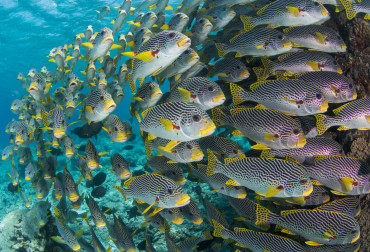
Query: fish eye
column 211, row 89
column 335, row 62
column 353, row 231
column 316, row 3
column 189, row 146
column 280, row 37
column 296, row 131
column 201, row 21
column 238, row 67
column 235, row 151
column 303, row 181
column 318, row 96
column 350, row 85
column 237, row 187
column 170, row 191
column 196, row 118
column 187, row 52
column 102, row 98
column 171, row 35
column 62, row 121
column 115, row 128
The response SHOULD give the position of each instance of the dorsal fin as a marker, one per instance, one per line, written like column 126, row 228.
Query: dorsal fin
column 237, row 35
column 260, row 11
column 128, row 182
column 143, row 114
column 227, row 161
column 256, row 84
column 283, row 56
column 237, row 110
column 286, row 30
column 337, row 110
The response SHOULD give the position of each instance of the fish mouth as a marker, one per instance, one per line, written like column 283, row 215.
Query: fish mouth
column 220, row 97
column 19, row 140
column 308, row 192
column 92, row 165
column 121, row 138
column 178, row 221
column 301, row 142
column 181, row 181
column 39, row 196
column 108, row 39
column 324, row 107
column 21, row 161
column 33, row 87
column 194, row 57
column 41, row 223
column 339, row 71
column 110, row 106
column 184, row 200
column 27, row 178
column 47, row 176
column 76, row 247
column 157, row 92
column 288, row 44
column 245, row 74
column 354, row 96
column 59, row 133
column 209, row 130
column 198, row 221
column 344, row 47
column 125, row 175
column 197, row 155
column 184, row 42
column 324, row 12
column 100, row 224
column 3, row 158
column 231, row 13
column 241, row 195
column 69, row 154
column 73, row 197
column 356, row 238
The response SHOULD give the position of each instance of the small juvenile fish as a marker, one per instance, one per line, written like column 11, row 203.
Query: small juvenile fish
column 70, row 187
column 172, row 214
column 67, row 235
column 352, row 115
column 118, row 21
column 103, row 11
column 199, row 31
column 24, row 198
column 147, row 95
column 98, row 106
column 14, row 174
column 177, row 22
column 192, row 212
column 30, row 171
column 69, row 147
column 121, row 237
column 7, row 153
column 224, row 147
column 96, row 214
column 42, row 212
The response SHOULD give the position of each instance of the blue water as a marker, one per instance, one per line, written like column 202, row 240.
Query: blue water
column 31, row 28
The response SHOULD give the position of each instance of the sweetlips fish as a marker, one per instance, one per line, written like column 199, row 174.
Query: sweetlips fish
column 156, row 54
column 99, row 104
column 160, row 165
column 230, row 69
column 268, row 177
column 147, row 95
column 177, row 22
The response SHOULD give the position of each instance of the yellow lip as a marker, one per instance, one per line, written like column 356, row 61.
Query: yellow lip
column 339, row 71
column 194, row 57
column 100, row 224
column 220, row 96
column 39, row 196
column 70, row 105
column 33, row 86
column 354, row 96
column 125, row 175
column 185, row 199
column 308, row 192
column 230, row 13
column 27, row 178
column 156, row 92
column 92, row 164
column 209, row 130
column 46, row 176
column 178, row 221
column 198, row 221
column 197, row 154
column 21, row 161
column 324, row 107
column 241, row 196
column 356, row 238
column 121, row 137
column 69, row 153
column 181, row 181
column 3, row 158
column 109, row 37
column 18, row 140
column 301, row 142
column 182, row 41
column 343, row 46
column 76, row 247
column 109, row 103
column 245, row 74
column 73, row 197
column 41, row 223
column 324, row 11
column 162, row 229
column 288, row 44
column 59, row 133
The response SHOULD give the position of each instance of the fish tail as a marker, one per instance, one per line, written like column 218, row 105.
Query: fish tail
column 44, row 116
column 217, row 232
column 132, row 109
column 247, row 22
column 238, row 94
column 213, row 162
column 207, row 235
column 267, row 65
column 148, row 148
column 266, row 154
column 123, row 191
column 220, row 49
column 321, row 123
column 218, row 117
column 131, row 82
column 348, row 7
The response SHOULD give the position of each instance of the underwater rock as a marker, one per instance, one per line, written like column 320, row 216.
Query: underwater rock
column 19, row 232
